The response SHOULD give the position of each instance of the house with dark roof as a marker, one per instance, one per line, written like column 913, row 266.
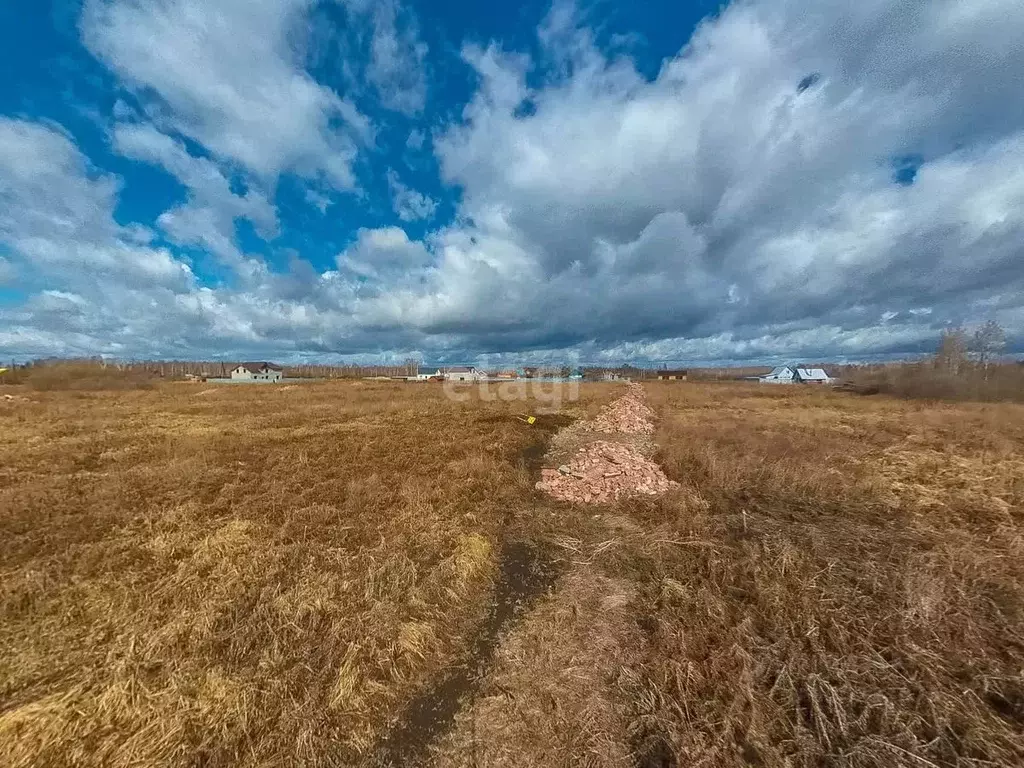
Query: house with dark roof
column 426, row 373
column 669, row 374
column 260, row 371
column 461, row 373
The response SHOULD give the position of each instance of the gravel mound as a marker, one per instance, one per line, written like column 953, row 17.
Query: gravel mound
column 602, row 472
column 629, row 415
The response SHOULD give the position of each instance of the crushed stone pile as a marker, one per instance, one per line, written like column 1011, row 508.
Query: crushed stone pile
column 603, row 472
column 629, row 415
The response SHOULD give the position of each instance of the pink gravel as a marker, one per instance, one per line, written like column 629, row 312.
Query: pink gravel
column 629, row 415
column 604, row 471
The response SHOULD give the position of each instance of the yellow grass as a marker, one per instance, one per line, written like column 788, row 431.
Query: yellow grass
column 838, row 582
column 263, row 576
column 241, row 575
column 863, row 600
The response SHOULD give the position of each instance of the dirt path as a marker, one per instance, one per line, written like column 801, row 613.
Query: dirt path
column 560, row 690
column 524, row 574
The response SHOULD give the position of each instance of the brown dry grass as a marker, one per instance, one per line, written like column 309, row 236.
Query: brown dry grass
column 1001, row 382
column 265, row 576
column 838, row 582
column 861, row 598
column 241, row 575
column 78, row 375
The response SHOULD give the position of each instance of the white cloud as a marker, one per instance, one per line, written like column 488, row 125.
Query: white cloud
column 416, row 139
column 409, row 204
column 397, row 55
column 383, row 253
column 207, row 218
column 719, row 196
column 56, row 214
column 318, row 200
column 227, row 74
column 719, row 210
column 8, row 272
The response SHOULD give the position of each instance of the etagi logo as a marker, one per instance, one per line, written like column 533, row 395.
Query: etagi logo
column 546, row 387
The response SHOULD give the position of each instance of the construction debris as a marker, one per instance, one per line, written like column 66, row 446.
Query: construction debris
column 629, row 415
column 603, row 471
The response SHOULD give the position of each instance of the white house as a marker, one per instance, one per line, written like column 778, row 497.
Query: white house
column 426, row 374
column 462, row 373
column 257, row 372
column 812, row 376
column 783, row 374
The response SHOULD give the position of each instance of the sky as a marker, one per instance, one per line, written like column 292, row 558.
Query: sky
column 456, row 181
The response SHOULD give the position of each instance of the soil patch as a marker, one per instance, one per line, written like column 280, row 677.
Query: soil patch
column 525, row 572
column 543, row 428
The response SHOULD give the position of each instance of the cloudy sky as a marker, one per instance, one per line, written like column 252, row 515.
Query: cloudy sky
column 460, row 181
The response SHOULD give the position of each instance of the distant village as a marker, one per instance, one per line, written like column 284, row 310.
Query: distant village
column 266, row 371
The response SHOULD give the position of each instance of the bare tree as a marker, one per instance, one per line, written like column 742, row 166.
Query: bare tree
column 952, row 353
column 988, row 341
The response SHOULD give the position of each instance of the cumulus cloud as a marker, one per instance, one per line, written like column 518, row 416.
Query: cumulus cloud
column 723, row 199
column 108, row 292
column 56, row 215
column 227, row 74
column 751, row 201
column 207, row 218
column 406, row 202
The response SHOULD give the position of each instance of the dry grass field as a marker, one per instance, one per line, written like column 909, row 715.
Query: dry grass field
column 860, row 597
column 327, row 575
column 839, row 581
column 230, row 575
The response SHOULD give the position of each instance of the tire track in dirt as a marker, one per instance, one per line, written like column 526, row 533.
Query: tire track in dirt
column 525, row 572
column 563, row 682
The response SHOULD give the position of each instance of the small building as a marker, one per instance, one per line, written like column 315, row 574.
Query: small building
column 461, row 373
column 812, row 376
column 782, row 374
column 426, row 374
column 667, row 374
column 261, row 371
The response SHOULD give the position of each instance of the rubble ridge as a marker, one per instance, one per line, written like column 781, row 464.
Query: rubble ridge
column 604, row 471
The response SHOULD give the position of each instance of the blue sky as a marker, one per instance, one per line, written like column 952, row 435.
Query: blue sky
column 346, row 179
